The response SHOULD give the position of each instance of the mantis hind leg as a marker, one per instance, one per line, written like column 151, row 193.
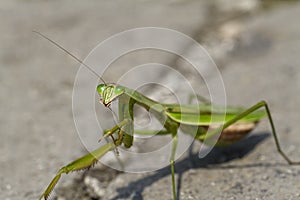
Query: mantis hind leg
column 261, row 104
column 82, row 163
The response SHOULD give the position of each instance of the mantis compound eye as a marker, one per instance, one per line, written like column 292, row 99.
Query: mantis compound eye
column 101, row 88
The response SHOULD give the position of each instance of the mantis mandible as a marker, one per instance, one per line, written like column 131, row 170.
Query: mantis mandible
column 237, row 124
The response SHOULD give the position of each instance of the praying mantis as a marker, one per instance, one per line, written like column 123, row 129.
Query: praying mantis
column 204, row 122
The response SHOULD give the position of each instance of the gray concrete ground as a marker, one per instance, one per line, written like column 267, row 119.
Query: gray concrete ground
column 258, row 55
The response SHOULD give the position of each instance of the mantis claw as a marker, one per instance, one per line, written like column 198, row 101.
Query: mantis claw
column 82, row 163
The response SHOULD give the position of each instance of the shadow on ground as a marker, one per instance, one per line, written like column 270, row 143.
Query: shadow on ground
column 218, row 155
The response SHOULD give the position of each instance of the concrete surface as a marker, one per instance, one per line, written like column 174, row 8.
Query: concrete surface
column 37, row 130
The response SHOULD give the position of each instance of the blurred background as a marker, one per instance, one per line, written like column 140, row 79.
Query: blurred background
column 254, row 43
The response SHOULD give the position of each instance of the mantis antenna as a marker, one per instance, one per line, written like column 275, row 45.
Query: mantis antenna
column 70, row 54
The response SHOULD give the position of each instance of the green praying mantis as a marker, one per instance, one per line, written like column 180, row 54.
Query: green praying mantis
column 204, row 122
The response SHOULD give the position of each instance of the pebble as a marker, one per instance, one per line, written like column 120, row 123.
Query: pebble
column 94, row 186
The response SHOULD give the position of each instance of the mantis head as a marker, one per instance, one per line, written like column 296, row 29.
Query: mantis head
column 109, row 92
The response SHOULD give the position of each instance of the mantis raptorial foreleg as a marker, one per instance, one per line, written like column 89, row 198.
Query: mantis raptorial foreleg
column 126, row 113
column 114, row 129
column 82, row 163
column 89, row 159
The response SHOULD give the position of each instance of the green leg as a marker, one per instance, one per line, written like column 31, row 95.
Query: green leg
column 247, row 112
column 126, row 104
column 114, row 129
column 152, row 132
column 172, row 159
column 172, row 163
column 84, row 162
column 117, row 141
